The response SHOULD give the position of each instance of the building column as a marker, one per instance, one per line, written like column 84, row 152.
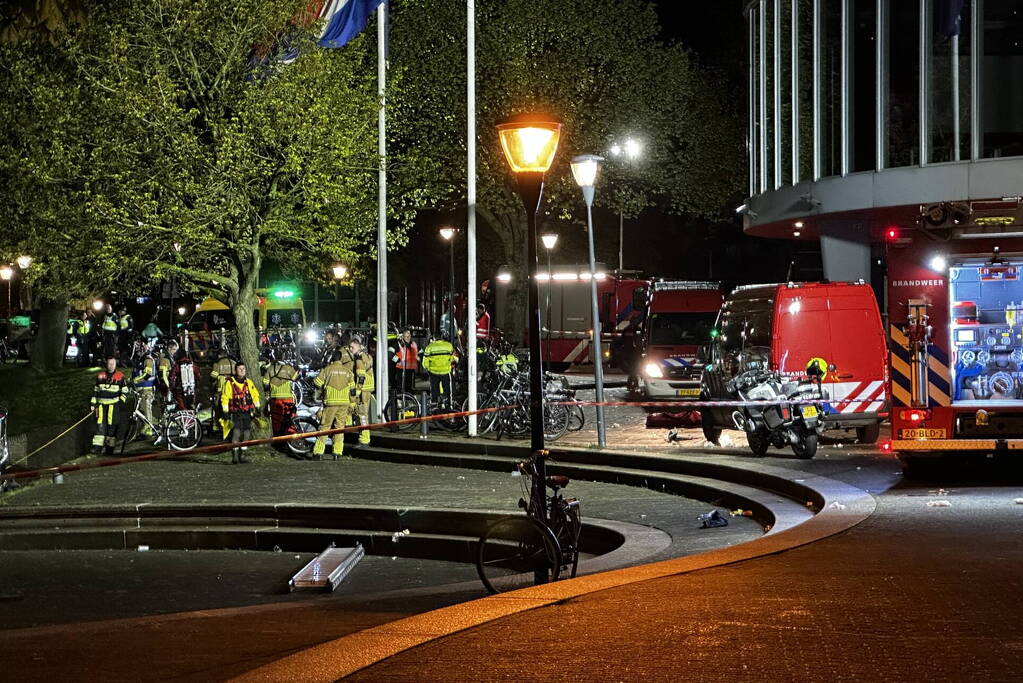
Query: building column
column 845, row 249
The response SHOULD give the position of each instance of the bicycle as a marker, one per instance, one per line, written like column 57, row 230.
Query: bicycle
column 181, row 430
column 5, row 452
column 538, row 547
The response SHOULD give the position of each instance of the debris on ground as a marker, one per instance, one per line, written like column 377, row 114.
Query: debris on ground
column 741, row 513
column 712, row 520
column 938, row 504
column 398, row 534
column 1018, row 501
column 686, row 418
column 674, row 436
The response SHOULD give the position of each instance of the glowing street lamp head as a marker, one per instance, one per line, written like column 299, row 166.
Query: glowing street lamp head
column 549, row 240
column 6, row 272
column 97, row 305
column 504, row 276
column 24, row 261
column 585, row 169
column 529, row 143
column 448, row 233
column 182, row 310
column 633, row 148
column 339, row 271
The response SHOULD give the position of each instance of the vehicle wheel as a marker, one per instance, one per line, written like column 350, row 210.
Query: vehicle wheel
column 184, row 431
column 632, row 385
column 576, row 418
column 759, row 442
column 517, row 552
column 806, row 447
column 304, row 424
column 868, row 434
column 710, row 432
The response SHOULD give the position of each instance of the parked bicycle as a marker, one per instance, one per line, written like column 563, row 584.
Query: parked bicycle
column 538, row 547
column 180, row 430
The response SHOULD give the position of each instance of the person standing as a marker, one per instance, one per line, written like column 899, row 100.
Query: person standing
column 339, row 393
column 180, row 376
column 126, row 329
column 108, row 395
column 365, row 383
column 110, row 327
column 280, row 378
column 239, row 400
column 406, row 361
column 144, row 380
column 439, row 360
column 482, row 322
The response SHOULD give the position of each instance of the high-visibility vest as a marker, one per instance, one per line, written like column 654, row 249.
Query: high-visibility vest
column 364, row 379
column 110, row 388
column 280, row 377
column 483, row 326
column 337, row 382
column 125, row 322
column 145, row 374
column 238, row 397
column 407, row 357
column 438, row 357
column 110, row 323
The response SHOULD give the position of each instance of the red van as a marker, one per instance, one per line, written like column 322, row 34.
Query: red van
column 789, row 325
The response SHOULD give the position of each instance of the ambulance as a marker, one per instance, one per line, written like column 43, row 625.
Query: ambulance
column 955, row 311
column 836, row 325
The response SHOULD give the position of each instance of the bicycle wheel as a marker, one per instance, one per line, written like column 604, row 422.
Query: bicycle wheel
column 566, row 524
column 555, row 421
column 404, row 407
column 297, row 393
column 303, row 424
column 184, row 431
column 576, row 418
column 517, row 552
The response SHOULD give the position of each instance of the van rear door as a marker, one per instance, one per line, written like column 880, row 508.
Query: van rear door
column 858, row 350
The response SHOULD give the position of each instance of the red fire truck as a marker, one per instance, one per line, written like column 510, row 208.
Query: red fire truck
column 955, row 310
column 566, row 320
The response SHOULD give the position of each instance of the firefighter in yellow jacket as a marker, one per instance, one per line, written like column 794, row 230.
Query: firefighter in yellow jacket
column 239, row 401
column 339, row 391
column 362, row 364
column 279, row 378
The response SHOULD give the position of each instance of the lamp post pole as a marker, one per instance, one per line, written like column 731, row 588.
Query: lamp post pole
column 451, row 291
column 531, row 190
column 549, row 241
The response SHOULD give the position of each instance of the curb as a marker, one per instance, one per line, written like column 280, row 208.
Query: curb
column 841, row 507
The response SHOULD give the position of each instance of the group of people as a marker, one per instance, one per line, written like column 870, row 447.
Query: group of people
column 105, row 332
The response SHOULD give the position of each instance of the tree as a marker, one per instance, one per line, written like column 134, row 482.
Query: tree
column 226, row 151
column 598, row 66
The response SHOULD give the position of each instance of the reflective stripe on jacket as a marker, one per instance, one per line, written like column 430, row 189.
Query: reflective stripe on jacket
column 239, row 397
column 438, row 357
column 110, row 388
column 407, row 357
column 337, row 382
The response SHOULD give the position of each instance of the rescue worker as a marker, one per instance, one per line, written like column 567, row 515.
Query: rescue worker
column 180, row 376
column 280, row 378
column 482, row 322
column 439, row 359
column 406, row 361
column 126, row 328
column 339, row 394
column 331, row 343
column 222, row 370
column 110, row 327
column 83, row 336
column 362, row 364
column 144, row 380
column 109, row 394
column 239, row 400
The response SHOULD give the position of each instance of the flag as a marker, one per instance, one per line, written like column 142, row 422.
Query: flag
column 948, row 17
column 345, row 20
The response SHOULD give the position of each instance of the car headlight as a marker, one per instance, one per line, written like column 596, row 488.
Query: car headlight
column 653, row 370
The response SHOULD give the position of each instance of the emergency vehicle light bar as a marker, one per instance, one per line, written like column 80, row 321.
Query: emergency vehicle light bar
column 675, row 285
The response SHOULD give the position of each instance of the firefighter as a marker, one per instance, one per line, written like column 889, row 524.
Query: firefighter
column 144, row 380
column 126, row 328
column 339, row 393
column 83, row 335
column 110, row 327
column 179, row 376
column 406, row 361
column 239, row 400
column 439, row 360
column 362, row 365
column 482, row 322
column 280, row 378
column 331, row 343
column 221, row 371
column 109, row 394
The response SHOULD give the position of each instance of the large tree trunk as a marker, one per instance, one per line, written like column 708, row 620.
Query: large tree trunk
column 243, row 305
column 48, row 346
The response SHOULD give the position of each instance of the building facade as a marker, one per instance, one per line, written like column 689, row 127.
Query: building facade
column 865, row 113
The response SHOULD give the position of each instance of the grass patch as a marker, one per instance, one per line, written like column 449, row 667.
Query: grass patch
column 34, row 400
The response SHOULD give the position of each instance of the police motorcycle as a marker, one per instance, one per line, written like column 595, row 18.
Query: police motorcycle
column 781, row 411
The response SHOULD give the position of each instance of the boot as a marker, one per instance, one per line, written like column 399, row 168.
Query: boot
column 241, row 455
column 235, row 459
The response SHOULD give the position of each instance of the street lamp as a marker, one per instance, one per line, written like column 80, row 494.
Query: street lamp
column 339, row 271
column 24, row 261
column 585, row 169
column 631, row 150
column 6, row 273
column 97, row 305
column 549, row 240
column 530, row 143
column 448, row 234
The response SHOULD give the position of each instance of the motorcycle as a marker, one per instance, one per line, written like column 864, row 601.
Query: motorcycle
column 790, row 413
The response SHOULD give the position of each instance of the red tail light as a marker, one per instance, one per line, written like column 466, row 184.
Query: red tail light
column 891, row 234
column 886, row 446
column 914, row 415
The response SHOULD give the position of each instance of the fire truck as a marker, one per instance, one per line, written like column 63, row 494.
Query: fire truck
column 565, row 310
column 955, row 312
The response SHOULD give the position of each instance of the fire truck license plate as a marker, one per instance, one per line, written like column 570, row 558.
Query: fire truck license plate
column 923, row 433
column 688, row 393
column 809, row 411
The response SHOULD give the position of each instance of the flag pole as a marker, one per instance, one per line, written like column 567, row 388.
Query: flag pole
column 381, row 349
column 471, row 200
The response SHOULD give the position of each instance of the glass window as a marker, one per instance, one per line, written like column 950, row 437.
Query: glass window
column 903, row 83
column 768, row 66
column 1002, row 73
column 831, row 87
column 949, row 74
column 805, row 57
column 862, row 85
column 785, row 80
column 681, row 328
column 754, row 17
